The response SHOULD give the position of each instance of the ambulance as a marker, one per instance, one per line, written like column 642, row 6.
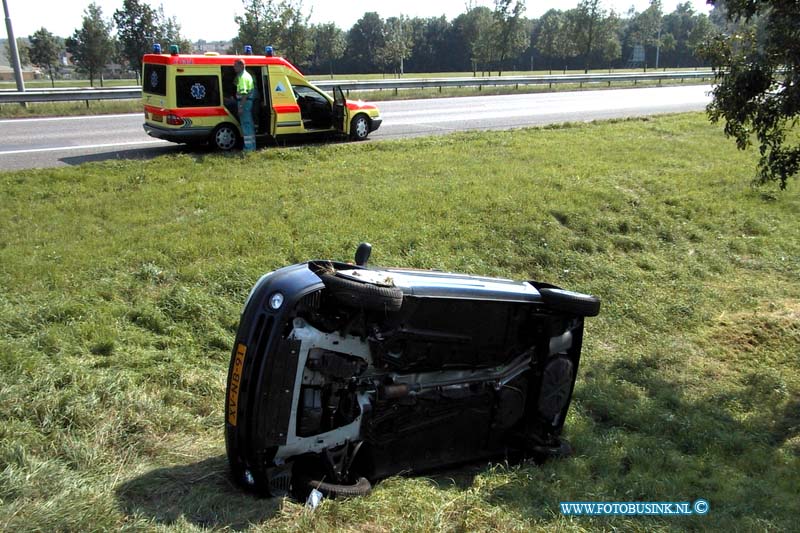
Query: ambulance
column 191, row 99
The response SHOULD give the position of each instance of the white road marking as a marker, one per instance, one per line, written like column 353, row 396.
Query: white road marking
column 82, row 117
column 83, row 147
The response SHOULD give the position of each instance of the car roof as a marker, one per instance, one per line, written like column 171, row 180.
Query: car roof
column 222, row 60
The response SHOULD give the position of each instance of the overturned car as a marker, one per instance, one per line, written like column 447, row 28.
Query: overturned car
column 342, row 374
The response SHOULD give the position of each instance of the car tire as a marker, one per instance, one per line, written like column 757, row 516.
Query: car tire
column 362, row 487
column 359, row 127
column 363, row 295
column 570, row 302
column 225, row 137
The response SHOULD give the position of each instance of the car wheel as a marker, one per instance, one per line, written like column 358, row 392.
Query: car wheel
column 359, row 128
column 570, row 302
column 225, row 137
column 362, row 487
column 363, row 295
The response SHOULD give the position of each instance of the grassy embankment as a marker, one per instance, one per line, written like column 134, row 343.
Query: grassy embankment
column 121, row 284
column 134, row 106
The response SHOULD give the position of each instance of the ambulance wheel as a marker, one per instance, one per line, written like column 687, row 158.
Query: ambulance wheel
column 359, row 128
column 225, row 137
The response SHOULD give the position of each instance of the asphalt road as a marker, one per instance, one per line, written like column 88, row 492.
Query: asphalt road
column 53, row 142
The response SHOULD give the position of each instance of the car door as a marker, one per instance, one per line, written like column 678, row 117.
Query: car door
column 284, row 105
column 268, row 111
column 339, row 110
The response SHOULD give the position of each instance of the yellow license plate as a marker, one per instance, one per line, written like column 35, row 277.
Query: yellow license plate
column 236, row 380
column 158, row 118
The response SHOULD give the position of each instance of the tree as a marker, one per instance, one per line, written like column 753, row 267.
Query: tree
column 702, row 32
column 259, row 26
column 511, row 37
column 677, row 28
column 589, row 15
column 279, row 24
column 329, row 44
column 296, row 37
column 547, row 42
column 45, row 52
column 364, row 40
column 169, row 32
column 397, row 42
column 608, row 41
column 645, row 27
column 758, row 83
column 477, row 27
column 588, row 19
column 137, row 30
column 91, row 45
column 433, row 48
column 23, row 50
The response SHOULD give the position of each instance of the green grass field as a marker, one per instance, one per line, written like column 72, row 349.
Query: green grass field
column 121, row 285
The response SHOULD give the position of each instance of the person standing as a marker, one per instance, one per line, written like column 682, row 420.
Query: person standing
column 245, row 95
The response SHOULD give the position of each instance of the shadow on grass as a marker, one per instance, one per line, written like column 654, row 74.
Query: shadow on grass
column 200, row 493
column 199, row 150
column 132, row 154
column 461, row 477
column 667, row 446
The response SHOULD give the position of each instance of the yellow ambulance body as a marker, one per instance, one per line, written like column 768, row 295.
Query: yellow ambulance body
column 191, row 99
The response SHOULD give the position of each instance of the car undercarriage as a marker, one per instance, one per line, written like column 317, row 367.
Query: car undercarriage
column 343, row 375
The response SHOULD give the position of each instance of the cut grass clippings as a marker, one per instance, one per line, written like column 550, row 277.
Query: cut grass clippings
column 121, row 285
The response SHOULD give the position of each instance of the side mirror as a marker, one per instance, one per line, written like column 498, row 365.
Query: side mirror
column 362, row 253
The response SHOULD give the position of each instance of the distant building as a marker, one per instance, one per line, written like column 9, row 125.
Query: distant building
column 7, row 74
column 7, row 71
column 219, row 47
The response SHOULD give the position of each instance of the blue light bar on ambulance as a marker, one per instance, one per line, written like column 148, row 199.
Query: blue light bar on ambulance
column 269, row 51
column 248, row 50
column 156, row 48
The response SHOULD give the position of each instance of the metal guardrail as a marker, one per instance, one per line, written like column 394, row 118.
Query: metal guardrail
column 550, row 80
column 74, row 95
column 123, row 93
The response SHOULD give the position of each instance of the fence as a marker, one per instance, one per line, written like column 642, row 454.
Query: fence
column 127, row 93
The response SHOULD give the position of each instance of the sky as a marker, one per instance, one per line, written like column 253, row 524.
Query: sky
column 212, row 20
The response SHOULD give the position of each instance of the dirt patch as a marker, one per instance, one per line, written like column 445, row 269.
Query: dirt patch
column 775, row 326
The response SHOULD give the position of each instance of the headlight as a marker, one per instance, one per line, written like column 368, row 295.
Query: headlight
column 276, row 301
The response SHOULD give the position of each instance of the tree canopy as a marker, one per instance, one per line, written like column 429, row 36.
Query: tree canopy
column 91, row 45
column 757, row 95
column 46, row 51
column 23, row 49
column 137, row 30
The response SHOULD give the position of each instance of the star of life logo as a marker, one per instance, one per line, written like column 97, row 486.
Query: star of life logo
column 198, row 91
column 154, row 79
